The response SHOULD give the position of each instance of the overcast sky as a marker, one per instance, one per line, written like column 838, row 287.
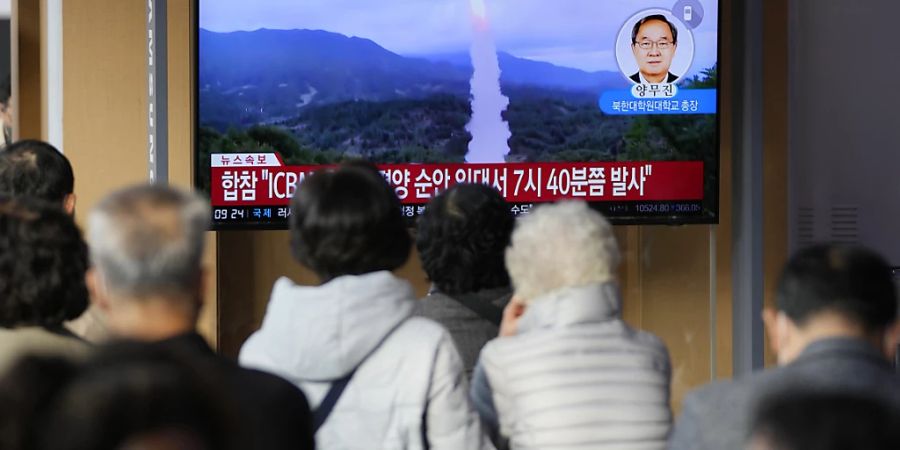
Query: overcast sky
column 571, row 33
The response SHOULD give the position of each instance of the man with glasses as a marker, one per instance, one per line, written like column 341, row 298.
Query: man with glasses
column 654, row 40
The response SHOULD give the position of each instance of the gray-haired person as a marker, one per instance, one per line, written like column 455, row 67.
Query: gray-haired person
column 567, row 372
column 147, row 248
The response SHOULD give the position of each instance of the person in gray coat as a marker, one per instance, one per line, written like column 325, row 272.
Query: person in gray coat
column 461, row 239
column 567, row 372
column 834, row 327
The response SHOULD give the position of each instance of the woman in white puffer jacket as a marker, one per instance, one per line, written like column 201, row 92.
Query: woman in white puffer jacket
column 567, row 372
column 377, row 377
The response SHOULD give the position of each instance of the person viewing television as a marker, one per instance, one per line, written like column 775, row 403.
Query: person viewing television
column 567, row 372
column 43, row 261
column 377, row 376
column 461, row 239
column 654, row 40
column 148, row 278
column 834, row 328
column 805, row 420
column 37, row 169
column 33, row 168
column 127, row 395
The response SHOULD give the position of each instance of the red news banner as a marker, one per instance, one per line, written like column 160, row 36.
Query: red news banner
column 262, row 179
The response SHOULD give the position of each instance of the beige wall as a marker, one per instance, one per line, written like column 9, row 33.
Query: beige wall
column 667, row 271
column 105, row 105
column 105, row 89
column 25, row 42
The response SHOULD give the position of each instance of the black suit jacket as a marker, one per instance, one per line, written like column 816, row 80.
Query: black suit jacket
column 637, row 78
column 273, row 413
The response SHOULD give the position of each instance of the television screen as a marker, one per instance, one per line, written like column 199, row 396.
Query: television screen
column 609, row 101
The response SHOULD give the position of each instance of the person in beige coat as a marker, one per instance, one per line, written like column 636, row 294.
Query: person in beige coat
column 43, row 261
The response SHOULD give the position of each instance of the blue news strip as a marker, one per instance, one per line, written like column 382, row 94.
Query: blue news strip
column 686, row 101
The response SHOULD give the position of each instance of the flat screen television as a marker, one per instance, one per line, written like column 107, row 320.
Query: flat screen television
column 613, row 102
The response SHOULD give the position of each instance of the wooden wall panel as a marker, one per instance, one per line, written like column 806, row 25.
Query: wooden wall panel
column 105, row 88
column 26, row 69
column 249, row 262
column 775, row 143
column 105, row 106
column 674, row 298
column 723, row 327
column 180, row 17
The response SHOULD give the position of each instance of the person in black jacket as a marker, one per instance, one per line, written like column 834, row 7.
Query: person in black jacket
column 146, row 246
column 127, row 395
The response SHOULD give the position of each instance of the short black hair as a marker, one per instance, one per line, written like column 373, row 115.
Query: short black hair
column 26, row 388
column 347, row 221
column 659, row 17
column 43, row 261
column 35, row 169
column 462, row 238
column 847, row 279
column 827, row 421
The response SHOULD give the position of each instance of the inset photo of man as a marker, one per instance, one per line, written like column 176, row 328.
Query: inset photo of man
column 661, row 48
column 654, row 41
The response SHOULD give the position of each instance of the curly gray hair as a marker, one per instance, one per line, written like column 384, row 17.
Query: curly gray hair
column 561, row 245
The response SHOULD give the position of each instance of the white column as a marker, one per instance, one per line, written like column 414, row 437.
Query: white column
column 53, row 101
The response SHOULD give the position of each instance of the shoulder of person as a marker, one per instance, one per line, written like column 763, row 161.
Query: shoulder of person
column 714, row 391
column 422, row 330
column 645, row 338
column 495, row 354
column 270, row 387
column 434, row 303
column 724, row 399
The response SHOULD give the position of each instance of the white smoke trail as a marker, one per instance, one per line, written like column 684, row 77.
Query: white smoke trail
column 489, row 131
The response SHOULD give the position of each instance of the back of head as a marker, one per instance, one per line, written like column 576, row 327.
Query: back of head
column 128, row 395
column 849, row 280
column 148, row 241
column 26, row 389
column 825, row 421
column 43, row 260
column 35, row 169
column 348, row 221
column 561, row 245
column 462, row 237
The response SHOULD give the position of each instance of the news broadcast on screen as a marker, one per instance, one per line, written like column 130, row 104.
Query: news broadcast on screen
column 608, row 101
